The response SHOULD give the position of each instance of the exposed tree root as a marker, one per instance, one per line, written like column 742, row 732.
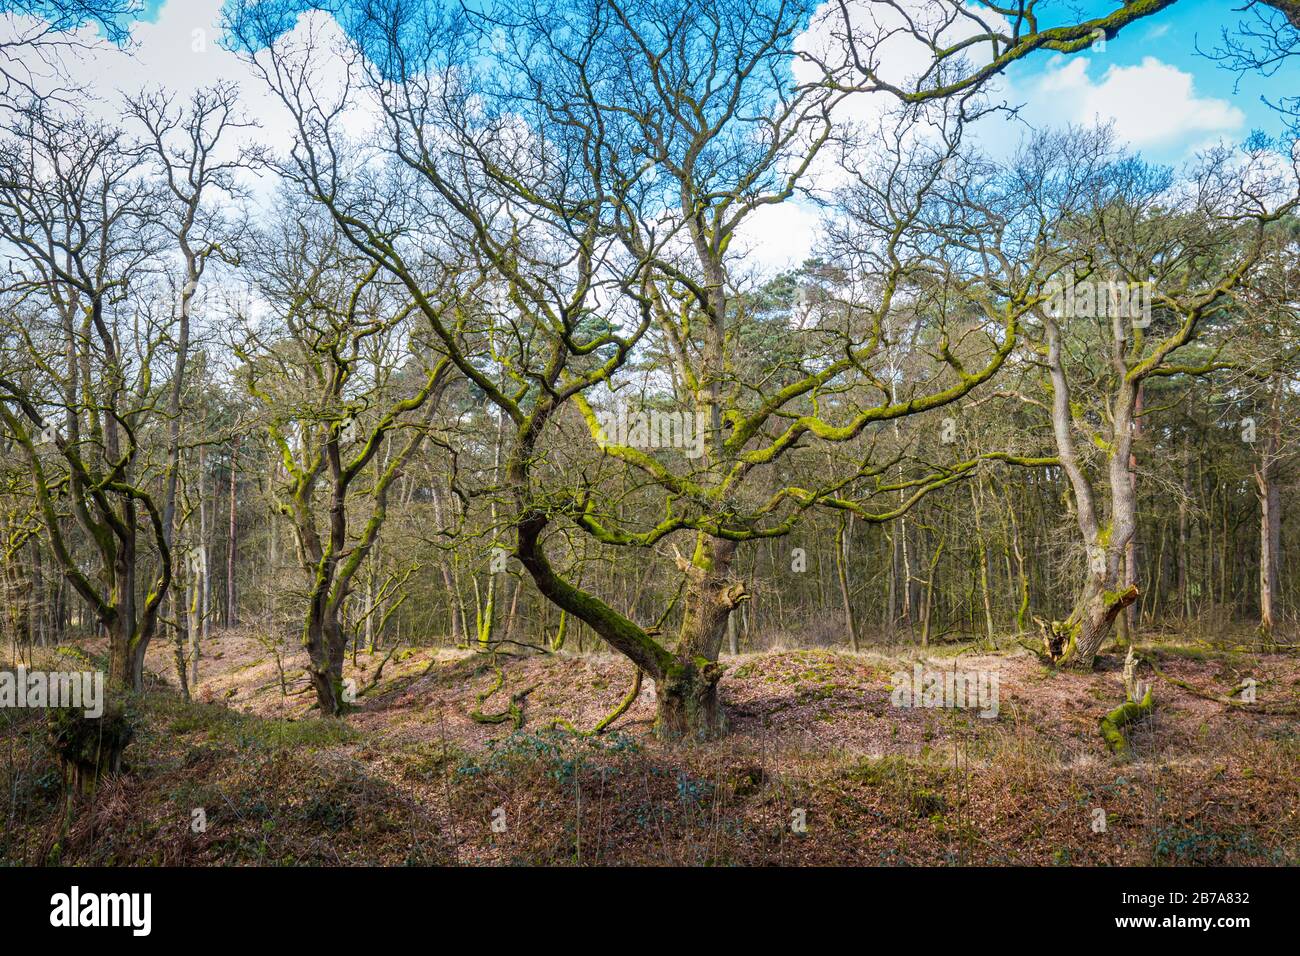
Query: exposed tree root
column 513, row 712
column 1038, row 650
column 1113, row 724
column 628, row 700
column 1265, row 709
column 379, row 671
column 1055, row 636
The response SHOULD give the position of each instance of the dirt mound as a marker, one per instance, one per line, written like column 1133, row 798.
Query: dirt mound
column 821, row 765
column 802, row 699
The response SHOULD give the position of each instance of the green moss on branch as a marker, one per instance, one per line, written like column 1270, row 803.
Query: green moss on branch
column 1113, row 724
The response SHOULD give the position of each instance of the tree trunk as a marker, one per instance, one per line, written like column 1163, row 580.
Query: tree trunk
column 323, row 639
column 193, row 613
column 1132, row 555
column 125, row 656
column 1269, row 494
column 928, row 607
column 687, row 705
column 1091, row 621
column 449, row 582
column 1181, row 555
column 841, row 567
column 687, row 696
column 198, row 610
column 891, row 597
column 1101, row 596
column 174, row 453
column 233, row 539
column 514, row 610
column 982, row 557
column 561, row 631
column 178, row 645
column 232, row 543
column 1270, row 541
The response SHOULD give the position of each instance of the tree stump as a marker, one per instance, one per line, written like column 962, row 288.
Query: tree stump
column 88, row 748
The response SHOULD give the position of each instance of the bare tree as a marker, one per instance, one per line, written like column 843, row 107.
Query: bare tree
column 609, row 229
column 198, row 173
column 1143, row 282
column 329, row 413
column 76, row 210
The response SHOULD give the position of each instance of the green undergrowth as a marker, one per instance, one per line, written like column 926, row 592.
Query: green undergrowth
column 218, row 723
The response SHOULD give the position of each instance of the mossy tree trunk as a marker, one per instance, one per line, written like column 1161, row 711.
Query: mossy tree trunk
column 325, row 642
column 130, row 628
column 331, row 556
column 687, row 703
column 1094, row 615
column 1102, row 595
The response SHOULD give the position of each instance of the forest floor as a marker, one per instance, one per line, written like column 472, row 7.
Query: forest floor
column 819, row 766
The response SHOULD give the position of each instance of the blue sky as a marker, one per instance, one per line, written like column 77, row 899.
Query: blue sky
column 1166, row 100
column 1172, row 37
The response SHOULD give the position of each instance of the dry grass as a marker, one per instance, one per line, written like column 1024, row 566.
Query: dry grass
column 411, row 778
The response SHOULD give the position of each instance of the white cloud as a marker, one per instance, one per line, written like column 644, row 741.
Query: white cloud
column 1152, row 104
column 181, row 51
column 886, row 37
column 783, row 236
column 775, row 238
